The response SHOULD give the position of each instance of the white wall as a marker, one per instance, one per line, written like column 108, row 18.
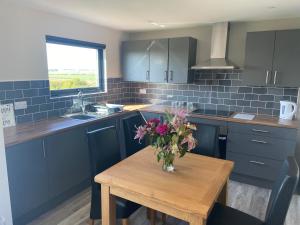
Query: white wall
column 22, row 41
column 237, row 39
column 5, row 208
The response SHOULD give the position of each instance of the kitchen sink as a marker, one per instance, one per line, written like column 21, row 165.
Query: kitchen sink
column 82, row 117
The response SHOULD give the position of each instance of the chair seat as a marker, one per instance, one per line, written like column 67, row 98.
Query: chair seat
column 224, row 215
column 125, row 208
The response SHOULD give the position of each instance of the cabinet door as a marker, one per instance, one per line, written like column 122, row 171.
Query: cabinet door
column 286, row 58
column 159, row 61
column 259, row 58
column 179, row 60
column 135, row 60
column 68, row 160
column 27, row 175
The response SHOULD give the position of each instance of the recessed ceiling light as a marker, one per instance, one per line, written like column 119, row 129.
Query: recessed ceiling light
column 162, row 25
column 156, row 24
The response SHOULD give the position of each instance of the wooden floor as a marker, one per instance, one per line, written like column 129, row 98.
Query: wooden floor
column 247, row 198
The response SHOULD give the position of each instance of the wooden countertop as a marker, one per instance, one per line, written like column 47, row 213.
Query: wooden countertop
column 28, row 131
column 258, row 120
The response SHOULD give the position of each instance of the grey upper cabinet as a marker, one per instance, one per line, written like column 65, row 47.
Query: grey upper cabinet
column 259, row 58
column 272, row 58
column 286, row 58
column 68, row 160
column 27, row 175
column 169, row 60
column 159, row 60
column 182, row 55
column 136, row 60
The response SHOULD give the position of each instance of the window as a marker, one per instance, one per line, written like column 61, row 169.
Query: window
column 74, row 65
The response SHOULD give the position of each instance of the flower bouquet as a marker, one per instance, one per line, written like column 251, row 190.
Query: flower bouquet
column 172, row 137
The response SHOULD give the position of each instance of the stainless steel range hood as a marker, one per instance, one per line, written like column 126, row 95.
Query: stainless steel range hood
column 218, row 52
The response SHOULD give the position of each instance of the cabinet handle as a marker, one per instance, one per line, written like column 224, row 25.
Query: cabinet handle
column 260, row 142
column 166, row 76
column 267, row 77
column 44, row 149
column 171, row 75
column 257, row 162
column 261, row 131
column 275, row 77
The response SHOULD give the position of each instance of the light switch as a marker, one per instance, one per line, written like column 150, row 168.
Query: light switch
column 20, row 105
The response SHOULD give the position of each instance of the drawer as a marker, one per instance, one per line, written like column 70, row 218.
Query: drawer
column 265, row 131
column 254, row 166
column 267, row 147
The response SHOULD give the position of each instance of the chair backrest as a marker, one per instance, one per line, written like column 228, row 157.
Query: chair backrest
column 130, row 124
column 104, row 152
column 207, row 136
column 282, row 192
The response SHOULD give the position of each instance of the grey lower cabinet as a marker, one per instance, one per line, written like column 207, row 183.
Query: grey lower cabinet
column 165, row 60
column 28, row 180
column 259, row 151
column 67, row 160
column 271, row 58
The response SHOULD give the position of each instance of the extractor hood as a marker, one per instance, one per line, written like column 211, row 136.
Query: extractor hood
column 218, row 52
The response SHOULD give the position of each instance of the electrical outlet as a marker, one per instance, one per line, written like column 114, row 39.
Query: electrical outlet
column 20, row 105
column 143, row 91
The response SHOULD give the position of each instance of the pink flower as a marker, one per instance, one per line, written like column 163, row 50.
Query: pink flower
column 181, row 113
column 140, row 133
column 162, row 129
column 190, row 140
column 154, row 120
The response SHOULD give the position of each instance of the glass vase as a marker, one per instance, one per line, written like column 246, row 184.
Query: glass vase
column 168, row 162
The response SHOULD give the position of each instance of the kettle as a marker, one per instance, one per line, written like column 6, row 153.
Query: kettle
column 287, row 110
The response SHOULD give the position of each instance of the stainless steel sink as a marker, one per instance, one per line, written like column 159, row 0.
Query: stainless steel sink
column 82, row 117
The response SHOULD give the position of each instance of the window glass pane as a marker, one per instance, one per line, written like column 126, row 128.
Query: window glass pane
column 71, row 67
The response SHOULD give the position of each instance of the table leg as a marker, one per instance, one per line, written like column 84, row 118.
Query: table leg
column 197, row 221
column 223, row 195
column 108, row 206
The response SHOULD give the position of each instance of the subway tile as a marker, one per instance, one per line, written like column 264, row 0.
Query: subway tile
column 263, row 111
column 225, row 82
column 40, row 116
column 260, row 90
column 242, row 103
column 275, row 91
column 266, row 98
column 38, row 100
column 24, row 118
column 2, row 95
column 32, row 109
column 44, row 91
column 21, row 85
column 251, row 97
column 245, row 90
column 14, row 94
column 37, row 84
column 258, row 104
column 291, row 91
column 7, row 85
column 30, row 93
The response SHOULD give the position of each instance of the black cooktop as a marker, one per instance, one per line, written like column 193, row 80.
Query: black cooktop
column 210, row 112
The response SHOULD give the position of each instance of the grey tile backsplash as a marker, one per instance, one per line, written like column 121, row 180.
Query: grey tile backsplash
column 220, row 90
column 39, row 104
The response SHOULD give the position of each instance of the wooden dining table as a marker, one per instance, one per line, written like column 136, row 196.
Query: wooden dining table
column 188, row 193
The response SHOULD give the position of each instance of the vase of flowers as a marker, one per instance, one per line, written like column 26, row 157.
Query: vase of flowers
column 171, row 138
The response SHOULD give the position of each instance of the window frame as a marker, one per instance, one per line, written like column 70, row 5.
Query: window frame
column 84, row 44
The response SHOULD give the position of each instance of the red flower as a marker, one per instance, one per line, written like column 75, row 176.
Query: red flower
column 162, row 129
column 154, row 120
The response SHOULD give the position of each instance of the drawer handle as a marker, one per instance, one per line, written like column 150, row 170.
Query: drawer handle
column 260, row 142
column 257, row 162
column 261, row 131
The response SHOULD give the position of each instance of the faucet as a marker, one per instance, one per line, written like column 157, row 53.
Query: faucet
column 80, row 98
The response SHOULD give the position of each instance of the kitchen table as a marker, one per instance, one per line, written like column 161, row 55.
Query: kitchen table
column 188, row 194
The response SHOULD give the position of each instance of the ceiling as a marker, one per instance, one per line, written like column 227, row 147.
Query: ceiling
column 135, row 15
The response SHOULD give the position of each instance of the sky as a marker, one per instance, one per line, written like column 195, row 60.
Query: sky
column 69, row 57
